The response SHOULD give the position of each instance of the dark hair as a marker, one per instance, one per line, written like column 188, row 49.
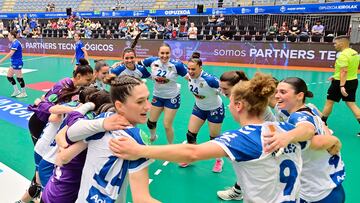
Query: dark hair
column 128, row 50
column 67, row 93
column 99, row 98
column 233, row 77
column 299, row 85
column 164, row 44
column 85, row 92
column 133, row 45
column 13, row 33
column 121, row 87
column 79, row 34
column 255, row 93
column 99, row 64
column 195, row 58
column 83, row 68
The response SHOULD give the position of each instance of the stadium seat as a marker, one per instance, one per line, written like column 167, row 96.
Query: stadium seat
column 316, row 38
column 269, row 37
column 292, row 38
column 237, row 37
column 304, row 38
column 248, row 37
column 280, row 38
column 200, row 37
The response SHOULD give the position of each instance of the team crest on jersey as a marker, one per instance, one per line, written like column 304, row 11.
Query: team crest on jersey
column 201, row 85
column 153, row 100
column 162, row 80
column 199, row 96
column 53, row 98
column 145, row 138
column 173, row 100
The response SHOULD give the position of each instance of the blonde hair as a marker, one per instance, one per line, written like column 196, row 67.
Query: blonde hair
column 255, row 93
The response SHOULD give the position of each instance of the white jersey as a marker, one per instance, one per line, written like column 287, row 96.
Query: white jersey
column 206, row 91
column 264, row 178
column 46, row 146
column 105, row 177
column 139, row 71
column 165, row 76
column 322, row 172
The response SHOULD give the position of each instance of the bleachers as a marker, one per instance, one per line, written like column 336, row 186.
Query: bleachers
column 134, row 4
column 40, row 5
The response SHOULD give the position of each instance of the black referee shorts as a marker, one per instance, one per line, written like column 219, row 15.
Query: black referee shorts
column 334, row 92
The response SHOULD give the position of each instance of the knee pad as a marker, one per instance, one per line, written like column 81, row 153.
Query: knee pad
column 34, row 189
column 11, row 80
column 21, row 82
column 191, row 137
column 151, row 125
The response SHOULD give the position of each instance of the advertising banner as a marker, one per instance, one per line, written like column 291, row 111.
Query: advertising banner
column 267, row 53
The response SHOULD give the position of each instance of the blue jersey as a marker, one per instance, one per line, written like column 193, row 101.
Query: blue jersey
column 79, row 53
column 165, row 76
column 105, row 177
column 139, row 71
column 322, row 172
column 263, row 177
column 206, row 91
column 16, row 58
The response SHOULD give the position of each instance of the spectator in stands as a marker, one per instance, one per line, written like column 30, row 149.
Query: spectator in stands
column 98, row 26
column 87, row 33
column 27, row 31
column 212, row 20
column 283, row 30
column 192, row 32
column 33, row 24
column 295, row 28
column 148, row 19
column 109, row 35
column 36, row 33
column 317, row 29
column 305, row 31
column 273, row 30
column 160, row 28
column 47, row 8
column 142, row 26
column 220, row 21
column 217, row 34
column 176, row 25
column 168, row 30
column 52, row 7
column 1, row 26
column 122, row 25
column 93, row 25
column 54, row 25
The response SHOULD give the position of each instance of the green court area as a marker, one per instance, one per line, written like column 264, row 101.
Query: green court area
column 170, row 183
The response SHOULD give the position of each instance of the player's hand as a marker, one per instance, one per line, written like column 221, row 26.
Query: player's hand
column 117, row 64
column 115, row 122
column 343, row 91
column 275, row 141
column 125, row 148
column 331, row 78
column 335, row 149
column 72, row 61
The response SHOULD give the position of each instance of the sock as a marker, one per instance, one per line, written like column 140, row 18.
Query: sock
column 358, row 119
column 324, row 118
column 15, row 88
column 23, row 90
column 211, row 138
column 237, row 188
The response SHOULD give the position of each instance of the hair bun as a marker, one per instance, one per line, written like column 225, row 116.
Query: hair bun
column 195, row 55
column 83, row 62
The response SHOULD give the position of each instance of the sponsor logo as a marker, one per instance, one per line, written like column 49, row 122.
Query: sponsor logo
column 178, row 12
column 282, row 9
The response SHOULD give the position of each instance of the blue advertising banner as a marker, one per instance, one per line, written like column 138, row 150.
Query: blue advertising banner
column 339, row 7
column 14, row 112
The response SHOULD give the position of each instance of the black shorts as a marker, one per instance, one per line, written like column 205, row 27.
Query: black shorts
column 334, row 92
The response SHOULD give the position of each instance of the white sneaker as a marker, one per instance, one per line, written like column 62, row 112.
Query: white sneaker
column 153, row 138
column 229, row 194
column 15, row 93
column 21, row 95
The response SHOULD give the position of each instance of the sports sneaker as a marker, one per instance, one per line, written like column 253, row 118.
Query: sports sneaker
column 184, row 165
column 218, row 166
column 230, row 194
column 15, row 93
column 358, row 134
column 21, row 95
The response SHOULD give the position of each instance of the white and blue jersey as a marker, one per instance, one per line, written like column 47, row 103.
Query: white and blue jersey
column 322, row 172
column 206, row 91
column 263, row 177
column 105, row 177
column 165, row 76
column 79, row 53
column 139, row 71
column 16, row 58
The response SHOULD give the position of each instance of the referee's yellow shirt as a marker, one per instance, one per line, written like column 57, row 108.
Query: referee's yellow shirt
column 347, row 58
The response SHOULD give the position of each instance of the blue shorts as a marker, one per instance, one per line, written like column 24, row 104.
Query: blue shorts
column 214, row 116
column 45, row 171
column 173, row 103
column 17, row 66
column 37, row 159
column 337, row 195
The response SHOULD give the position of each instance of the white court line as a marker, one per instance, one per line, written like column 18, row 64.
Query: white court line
column 165, row 163
column 157, row 172
column 150, row 180
column 31, row 59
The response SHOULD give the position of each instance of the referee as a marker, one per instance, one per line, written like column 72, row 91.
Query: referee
column 344, row 82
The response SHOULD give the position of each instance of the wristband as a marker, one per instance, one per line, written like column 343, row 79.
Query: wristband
column 342, row 85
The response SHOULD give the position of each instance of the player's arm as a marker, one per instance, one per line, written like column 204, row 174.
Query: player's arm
column 302, row 132
column 65, row 155
column 321, row 142
column 7, row 55
column 86, row 55
column 128, row 149
column 139, row 185
column 73, row 59
column 60, row 109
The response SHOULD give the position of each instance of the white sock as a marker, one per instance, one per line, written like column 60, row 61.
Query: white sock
column 23, row 90
column 15, row 88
